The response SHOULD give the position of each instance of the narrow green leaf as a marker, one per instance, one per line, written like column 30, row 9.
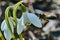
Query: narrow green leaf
column 1, row 36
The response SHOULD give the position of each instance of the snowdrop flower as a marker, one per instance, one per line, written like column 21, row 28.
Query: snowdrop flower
column 5, row 29
column 28, row 19
column 32, row 18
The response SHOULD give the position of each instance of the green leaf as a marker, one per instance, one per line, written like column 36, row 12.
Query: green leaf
column 1, row 36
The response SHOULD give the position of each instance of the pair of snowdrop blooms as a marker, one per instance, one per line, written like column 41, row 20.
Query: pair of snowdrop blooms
column 26, row 19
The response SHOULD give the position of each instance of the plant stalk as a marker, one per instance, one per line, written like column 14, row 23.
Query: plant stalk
column 7, row 22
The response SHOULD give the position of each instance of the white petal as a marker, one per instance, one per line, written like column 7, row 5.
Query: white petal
column 6, row 30
column 34, row 20
column 7, row 33
column 2, row 25
column 25, row 19
column 20, row 26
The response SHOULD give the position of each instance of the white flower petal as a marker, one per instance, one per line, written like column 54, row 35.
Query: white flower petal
column 20, row 26
column 34, row 20
column 25, row 18
column 7, row 33
column 2, row 25
column 6, row 30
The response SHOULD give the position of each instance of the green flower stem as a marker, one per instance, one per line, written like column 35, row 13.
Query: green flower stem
column 15, row 10
column 14, row 14
column 7, row 22
column 20, row 37
column 1, row 36
column 23, row 8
